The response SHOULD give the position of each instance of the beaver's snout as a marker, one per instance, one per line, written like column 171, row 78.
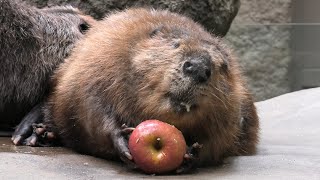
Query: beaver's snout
column 198, row 67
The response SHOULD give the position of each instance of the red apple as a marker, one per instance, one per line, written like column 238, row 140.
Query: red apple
column 157, row 147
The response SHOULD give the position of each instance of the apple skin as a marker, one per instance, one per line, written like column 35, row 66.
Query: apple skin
column 157, row 147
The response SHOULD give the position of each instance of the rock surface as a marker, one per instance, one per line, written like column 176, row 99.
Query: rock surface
column 260, row 36
column 215, row 15
column 289, row 149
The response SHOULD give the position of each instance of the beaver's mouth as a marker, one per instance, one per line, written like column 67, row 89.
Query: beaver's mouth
column 182, row 103
column 183, row 107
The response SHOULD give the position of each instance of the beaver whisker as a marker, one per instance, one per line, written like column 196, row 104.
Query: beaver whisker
column 219, row 99
column 220, row 90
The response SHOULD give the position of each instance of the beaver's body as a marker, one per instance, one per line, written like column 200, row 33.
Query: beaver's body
column 32, row 43
column 145, row 64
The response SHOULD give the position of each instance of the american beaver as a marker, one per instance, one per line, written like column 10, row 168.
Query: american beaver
column 32, row 42
column 152, row 64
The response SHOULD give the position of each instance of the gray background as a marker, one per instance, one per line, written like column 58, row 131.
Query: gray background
column 260, row 36
column 278, row 45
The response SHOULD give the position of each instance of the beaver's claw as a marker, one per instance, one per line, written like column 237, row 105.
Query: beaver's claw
column 41, row 136
column 125, row 130
column 190, row 159
column 121, row 145
column 23, row 134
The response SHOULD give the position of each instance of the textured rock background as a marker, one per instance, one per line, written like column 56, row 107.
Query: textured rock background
column 305, row 66
column 260, row 36
column 215, row 15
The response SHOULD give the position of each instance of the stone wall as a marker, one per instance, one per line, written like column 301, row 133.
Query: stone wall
column 260, row 36
column 215, row 15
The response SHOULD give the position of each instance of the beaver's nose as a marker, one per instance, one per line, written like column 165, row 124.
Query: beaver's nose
column 199, row 69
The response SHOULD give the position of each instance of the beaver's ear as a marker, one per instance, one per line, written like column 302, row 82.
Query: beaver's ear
column 156, row 31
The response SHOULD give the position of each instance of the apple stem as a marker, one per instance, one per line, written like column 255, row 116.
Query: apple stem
column 158, row 144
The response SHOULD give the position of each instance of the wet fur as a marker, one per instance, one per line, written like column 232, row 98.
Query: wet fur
column 33, row 42
column 126, row 71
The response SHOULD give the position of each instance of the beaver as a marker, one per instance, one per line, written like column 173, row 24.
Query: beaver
column 33, row 42
column 141, row 64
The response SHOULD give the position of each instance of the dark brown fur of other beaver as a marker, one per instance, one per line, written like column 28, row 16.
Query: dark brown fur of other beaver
column 33, row 42
column 147, row 64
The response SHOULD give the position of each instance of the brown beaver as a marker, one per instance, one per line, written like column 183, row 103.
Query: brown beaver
column 147, row 64
column 32, row 42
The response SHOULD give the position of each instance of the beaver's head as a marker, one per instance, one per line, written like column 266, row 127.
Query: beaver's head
column 62, row 27
column 181, row 70
column 165, row 66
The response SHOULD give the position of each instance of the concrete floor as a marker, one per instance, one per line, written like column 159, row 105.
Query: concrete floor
column 289, row 149
column 22, row 162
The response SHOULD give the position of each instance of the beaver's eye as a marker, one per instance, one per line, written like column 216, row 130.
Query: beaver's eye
column 156, row 31
column 176, row 45
column 84, row 27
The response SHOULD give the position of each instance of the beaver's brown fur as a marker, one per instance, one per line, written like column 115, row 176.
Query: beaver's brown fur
column 32, row 43
column 147, row 64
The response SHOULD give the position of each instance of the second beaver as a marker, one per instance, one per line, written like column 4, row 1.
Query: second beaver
column 146, row 64
column 33, row 42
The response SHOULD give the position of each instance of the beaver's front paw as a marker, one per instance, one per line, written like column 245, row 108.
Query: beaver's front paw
column 41, row 136
column 126, row 131
column 23, row 134
column 190, row 159
column 120, row 141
